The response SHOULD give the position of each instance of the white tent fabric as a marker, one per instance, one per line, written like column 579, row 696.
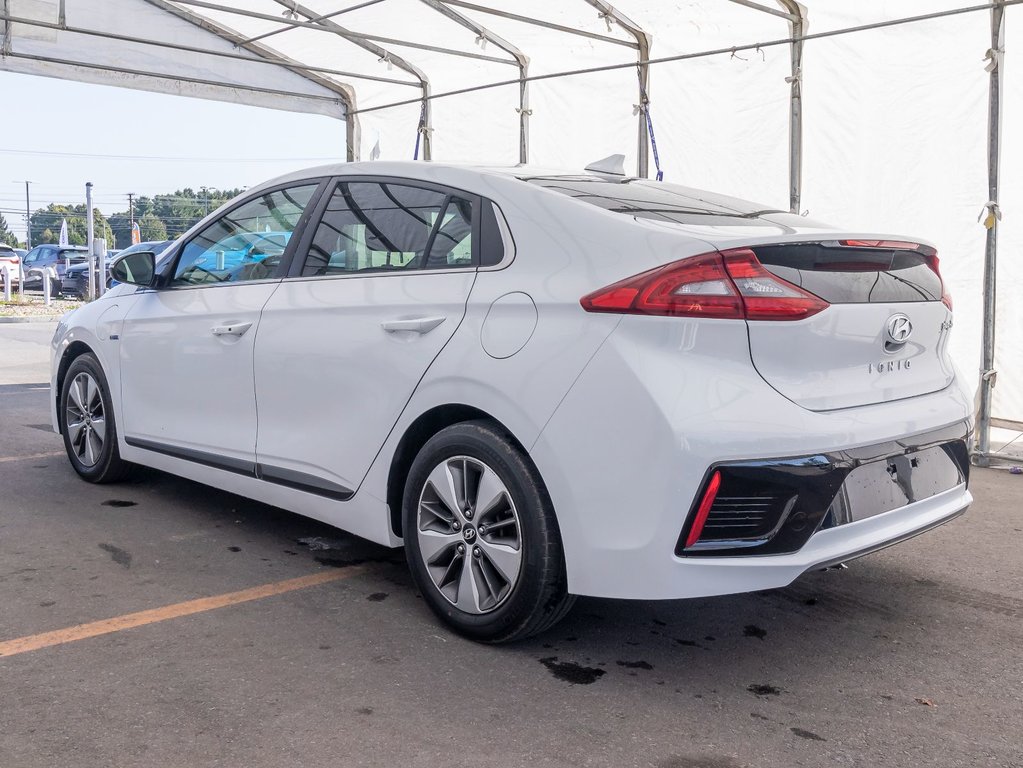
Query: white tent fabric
column 895, row 119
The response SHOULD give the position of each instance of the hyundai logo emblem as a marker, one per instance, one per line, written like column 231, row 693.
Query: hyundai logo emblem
column 898, row 329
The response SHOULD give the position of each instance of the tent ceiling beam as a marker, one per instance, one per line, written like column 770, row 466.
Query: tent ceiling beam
column 295, row 67
column 521, row 60
column 540, row 23
column 324, row 17
column 324, row 25
column 787, row 15
column 384, row 55
column 643, row 43
column 346, row 92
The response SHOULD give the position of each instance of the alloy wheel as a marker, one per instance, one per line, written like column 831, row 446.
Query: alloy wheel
column 85, row 419
column 469, row 534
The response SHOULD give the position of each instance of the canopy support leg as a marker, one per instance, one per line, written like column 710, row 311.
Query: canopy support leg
column 996, row 56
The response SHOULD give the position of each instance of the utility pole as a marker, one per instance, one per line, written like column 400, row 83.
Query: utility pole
column 131, row 216
column 89, row 239
column 205, row 202
column 28, row 217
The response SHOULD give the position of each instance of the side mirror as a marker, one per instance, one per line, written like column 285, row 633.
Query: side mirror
column 135, row 268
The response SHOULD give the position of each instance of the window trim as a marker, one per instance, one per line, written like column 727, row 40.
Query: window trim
column 295, row 273
column 167, row 274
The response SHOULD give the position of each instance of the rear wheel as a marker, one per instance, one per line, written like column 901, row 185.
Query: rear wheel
column 87, row 423
column 481, row 537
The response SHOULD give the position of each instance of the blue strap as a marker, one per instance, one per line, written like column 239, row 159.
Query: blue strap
column 645, row 106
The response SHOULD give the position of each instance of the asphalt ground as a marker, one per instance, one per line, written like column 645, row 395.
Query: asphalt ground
column 911, row 657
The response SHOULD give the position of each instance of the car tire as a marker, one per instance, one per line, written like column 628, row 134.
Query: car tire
column 481, row 537
column 86, row 418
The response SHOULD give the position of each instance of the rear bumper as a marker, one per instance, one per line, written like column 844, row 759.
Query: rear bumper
column 629, row 449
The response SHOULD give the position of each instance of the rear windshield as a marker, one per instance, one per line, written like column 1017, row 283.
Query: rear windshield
column 848, row 275
column 656, row 200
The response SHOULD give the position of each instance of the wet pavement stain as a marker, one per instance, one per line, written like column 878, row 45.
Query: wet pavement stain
column 118, row 555
column 807, row 734
column 118, row 503
column 234, row 549
column 689, row 643
column 761, row 689
column 571, row 672
column 377, row 597
column 752, row 630
column 635, row 664
column 365, row 710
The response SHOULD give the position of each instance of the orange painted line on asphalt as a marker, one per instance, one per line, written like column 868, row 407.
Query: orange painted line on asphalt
column 5, row 459
column 177, row 610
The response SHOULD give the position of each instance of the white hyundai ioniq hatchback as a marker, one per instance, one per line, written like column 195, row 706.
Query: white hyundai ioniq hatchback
column 541, row 384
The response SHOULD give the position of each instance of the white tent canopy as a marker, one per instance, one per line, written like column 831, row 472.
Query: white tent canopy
column 883, row 128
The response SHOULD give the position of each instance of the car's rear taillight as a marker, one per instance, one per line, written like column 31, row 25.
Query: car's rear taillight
column 946, row 297
column 729, row 285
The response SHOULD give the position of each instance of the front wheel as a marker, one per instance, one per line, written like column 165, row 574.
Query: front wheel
column 87, row 423
column 481, row 537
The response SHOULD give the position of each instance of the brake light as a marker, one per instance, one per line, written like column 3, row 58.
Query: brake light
column 768, row 297
column 730, row 285
column 898, row 245
column 946, row 297
column 704, row 509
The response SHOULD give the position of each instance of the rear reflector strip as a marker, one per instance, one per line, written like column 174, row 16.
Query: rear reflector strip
column 704, row 509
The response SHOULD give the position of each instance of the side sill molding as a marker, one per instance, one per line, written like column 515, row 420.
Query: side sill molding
column 289, row 478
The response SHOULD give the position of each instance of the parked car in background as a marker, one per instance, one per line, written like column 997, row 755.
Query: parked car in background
column 76, row 282
column 42, row 257
column 541, row 384
column 9, row 256
column 22, row 252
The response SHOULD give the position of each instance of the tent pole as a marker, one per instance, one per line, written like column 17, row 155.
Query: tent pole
column 520, row 60
column 797, row 29
column 643, row 42
column 996, row 55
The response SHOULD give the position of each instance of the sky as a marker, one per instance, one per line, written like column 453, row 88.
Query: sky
column 61, row 134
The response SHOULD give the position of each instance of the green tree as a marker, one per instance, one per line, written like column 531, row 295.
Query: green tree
column 152, row 228
column 6, row 236
column 46, row 222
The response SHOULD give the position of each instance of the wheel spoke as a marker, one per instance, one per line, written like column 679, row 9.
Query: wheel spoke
column 505, row 559
column 99, row 427
column 74, row 429
column 443, row 485
column 78, row 395
column 92, row 398
column 432, row 543
column 90, row 455
column 468, row 598
column 490, row 493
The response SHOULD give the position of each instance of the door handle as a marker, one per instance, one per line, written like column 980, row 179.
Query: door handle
column 235, row 329
column 414, row 324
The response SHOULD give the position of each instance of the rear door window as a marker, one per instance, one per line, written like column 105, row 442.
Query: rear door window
column 371, row 227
